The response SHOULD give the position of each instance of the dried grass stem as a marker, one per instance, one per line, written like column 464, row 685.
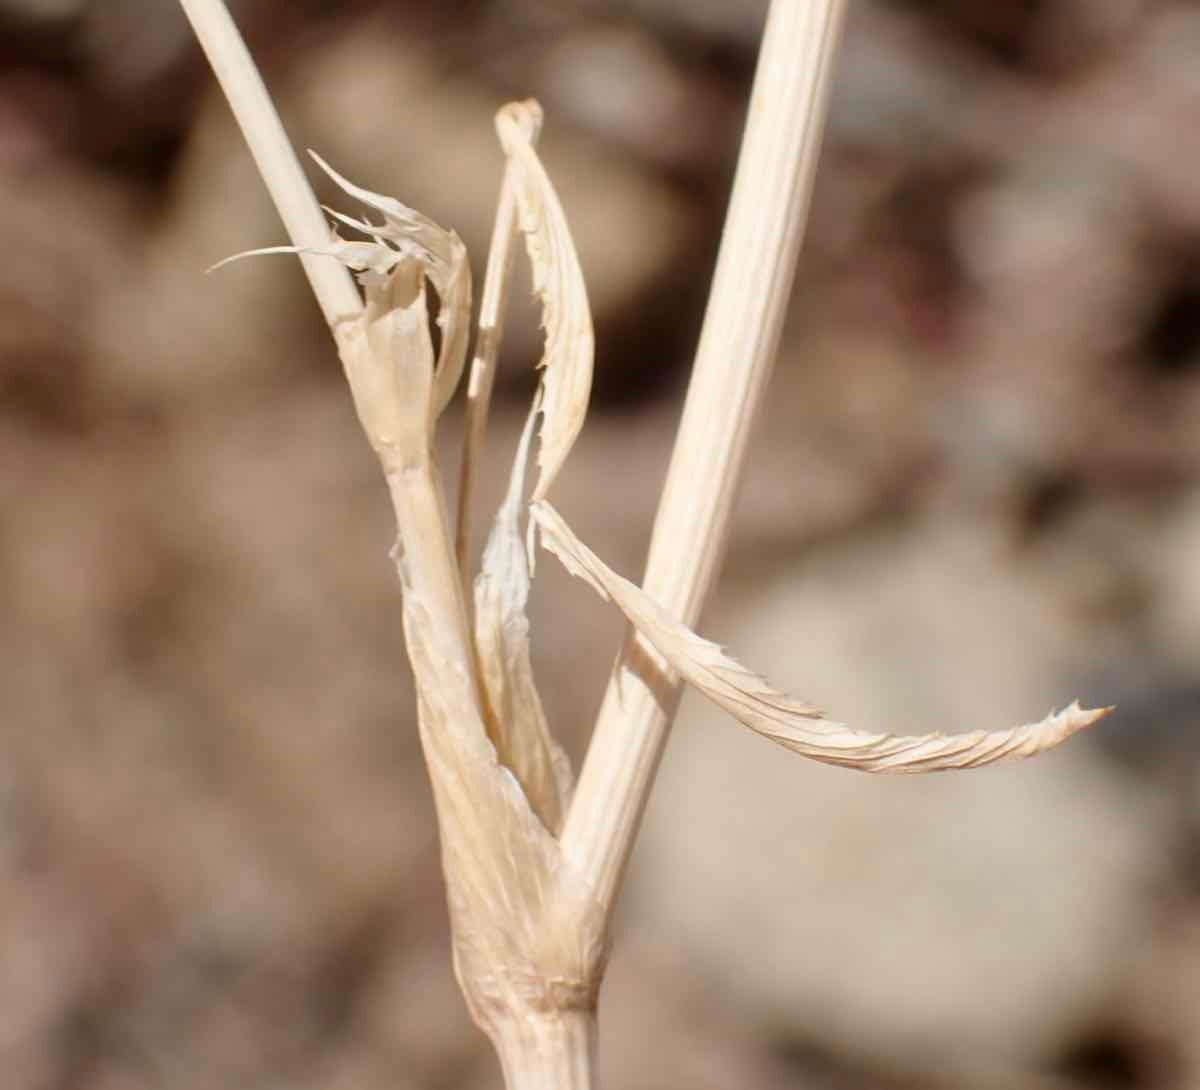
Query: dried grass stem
column 751, row 287
column 277, row 163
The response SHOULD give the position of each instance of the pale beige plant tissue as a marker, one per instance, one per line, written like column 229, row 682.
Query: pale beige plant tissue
column 793, row 723
column 529, row 921
column 558, row 282
column 502, row 783
column 528, row 935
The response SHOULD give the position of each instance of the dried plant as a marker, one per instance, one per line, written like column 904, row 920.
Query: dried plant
column 532, row 873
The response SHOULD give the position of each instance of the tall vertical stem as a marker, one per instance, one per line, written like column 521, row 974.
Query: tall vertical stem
column 750, row 291
column 256, row 116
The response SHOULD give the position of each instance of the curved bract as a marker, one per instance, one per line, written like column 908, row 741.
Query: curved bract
column 793, row 723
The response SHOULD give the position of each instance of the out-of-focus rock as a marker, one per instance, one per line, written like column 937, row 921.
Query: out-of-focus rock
column 1069, row 33
column 1053, row 252
column 738, row 21
column 1163, row 1011
column 974, row 917
column 156, row 338
column 1176, row 576
column 698, row 1039
column 39, row 118
column 413, row 1013
column 906, row 93
column 1138, row 112
column 621, row 85
column 208, row 899
column 839, row 440
column 65, row 236
column 1035, row 245
column 131, row 45
column 42, row 11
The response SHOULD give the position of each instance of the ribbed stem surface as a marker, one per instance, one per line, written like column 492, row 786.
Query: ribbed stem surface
column 552, row 1053
column 750, row 291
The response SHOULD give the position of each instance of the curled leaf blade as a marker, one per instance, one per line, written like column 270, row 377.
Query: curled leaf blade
column 493, row 309
column 558, row 282
column 794, row 724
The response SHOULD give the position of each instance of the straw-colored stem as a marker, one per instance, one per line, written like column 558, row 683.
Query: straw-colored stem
column 750, row 291
column 424, row 540
column 277, row 163
column 493, row 306
column 552, row 1053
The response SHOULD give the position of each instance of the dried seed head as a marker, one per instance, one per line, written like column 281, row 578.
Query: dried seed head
column 443, row 257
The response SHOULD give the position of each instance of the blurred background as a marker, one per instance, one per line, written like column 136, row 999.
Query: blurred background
column 973, row 495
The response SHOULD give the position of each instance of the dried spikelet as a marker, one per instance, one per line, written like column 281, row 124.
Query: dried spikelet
column 792, row 723
column 404, row 250
column 445, row 260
